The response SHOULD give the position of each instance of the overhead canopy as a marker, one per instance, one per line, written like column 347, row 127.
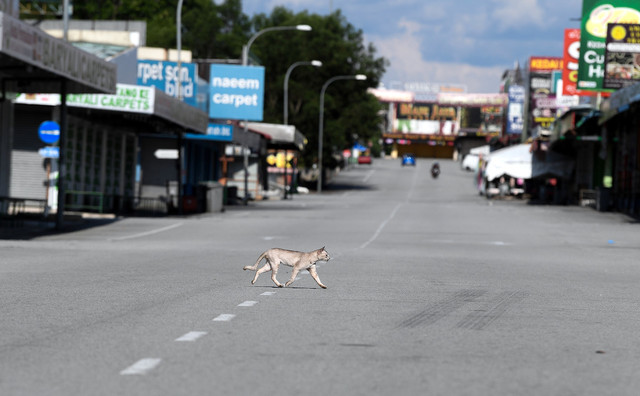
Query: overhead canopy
column 31, row 61
column 518, row 162
column 279, row 136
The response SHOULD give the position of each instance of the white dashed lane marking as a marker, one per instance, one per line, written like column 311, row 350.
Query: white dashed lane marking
column 268, row 293
column 192, row 336
column 141, row 367
column 224, row 318
column 248, row 304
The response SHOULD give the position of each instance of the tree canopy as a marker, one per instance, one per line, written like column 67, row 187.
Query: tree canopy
column 218, row 31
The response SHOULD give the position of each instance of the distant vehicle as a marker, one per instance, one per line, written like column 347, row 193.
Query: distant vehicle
column 408, row 159
column 364, row 159
column 435, row 170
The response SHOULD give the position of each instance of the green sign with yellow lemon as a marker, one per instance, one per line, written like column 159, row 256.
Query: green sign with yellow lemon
column 596, row 16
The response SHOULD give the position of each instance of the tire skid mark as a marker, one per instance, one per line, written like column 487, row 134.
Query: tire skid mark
column 494, row 309
column 442, row 308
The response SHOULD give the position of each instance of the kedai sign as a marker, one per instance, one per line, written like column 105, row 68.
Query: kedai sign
column 236, row 92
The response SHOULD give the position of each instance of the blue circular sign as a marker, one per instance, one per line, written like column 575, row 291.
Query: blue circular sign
column 49, row 132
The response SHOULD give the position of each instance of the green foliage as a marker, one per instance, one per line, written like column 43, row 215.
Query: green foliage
column 350, row 112
column 219, row 31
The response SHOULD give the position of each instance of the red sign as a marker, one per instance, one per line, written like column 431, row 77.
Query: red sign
column 545, row 63
column 571, row 59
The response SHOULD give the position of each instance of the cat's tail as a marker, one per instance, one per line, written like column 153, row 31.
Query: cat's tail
column 255, row 266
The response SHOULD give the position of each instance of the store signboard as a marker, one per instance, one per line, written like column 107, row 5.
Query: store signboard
column 129, row 98
column 515, row 111
column 424, row 118
column 164, row 76
column 622, row 55
column 596, row 15
column 236, row 92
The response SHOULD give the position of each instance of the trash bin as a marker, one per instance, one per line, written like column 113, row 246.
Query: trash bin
column 603, row 198
column 214, row 196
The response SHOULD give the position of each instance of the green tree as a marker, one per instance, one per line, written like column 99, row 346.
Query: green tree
column 208, row 30
column 350, row 112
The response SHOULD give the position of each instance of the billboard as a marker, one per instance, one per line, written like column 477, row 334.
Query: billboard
column 424, row 118
column 515, row 111
column 622, row 55
column 236, row 92
column 164, row 76
column 596, row 14
column 570, row 67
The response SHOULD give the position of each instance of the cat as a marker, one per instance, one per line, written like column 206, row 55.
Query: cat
column 298, row 260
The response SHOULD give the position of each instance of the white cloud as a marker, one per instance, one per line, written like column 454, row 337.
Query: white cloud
column 516, row 14
column 408, row 63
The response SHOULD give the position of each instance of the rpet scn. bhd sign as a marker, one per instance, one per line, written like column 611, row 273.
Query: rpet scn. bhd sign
column 236, row 92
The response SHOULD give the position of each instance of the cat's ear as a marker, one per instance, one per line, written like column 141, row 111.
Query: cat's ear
column 323, row 248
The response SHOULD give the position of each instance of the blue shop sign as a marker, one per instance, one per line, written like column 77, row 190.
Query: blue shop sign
column 236, row 92
column 164, row 76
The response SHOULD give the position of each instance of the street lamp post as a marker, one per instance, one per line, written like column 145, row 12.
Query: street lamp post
column 245, row 62
column 315, row 63
column 179, row 96
column 360, row 77
column 179, row 47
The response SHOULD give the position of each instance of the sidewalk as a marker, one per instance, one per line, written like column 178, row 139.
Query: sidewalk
column 29, row 229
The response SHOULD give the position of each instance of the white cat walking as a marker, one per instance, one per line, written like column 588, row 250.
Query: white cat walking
column 298, row 260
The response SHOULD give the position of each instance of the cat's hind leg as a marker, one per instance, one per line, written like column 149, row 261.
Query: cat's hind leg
column 314, row 275
column 265, row 268
column 294, row 273
column 274, row 272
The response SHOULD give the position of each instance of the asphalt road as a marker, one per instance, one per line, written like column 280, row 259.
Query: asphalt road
column 432, row 289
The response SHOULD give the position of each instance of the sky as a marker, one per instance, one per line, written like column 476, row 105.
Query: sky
column 468, row 42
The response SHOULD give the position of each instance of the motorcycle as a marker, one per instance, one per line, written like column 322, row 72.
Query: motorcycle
column 435, row 170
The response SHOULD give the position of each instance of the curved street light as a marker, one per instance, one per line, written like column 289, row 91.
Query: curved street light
column 315, row 63
column 245, row 49
column 245, row 62
column 360, row 77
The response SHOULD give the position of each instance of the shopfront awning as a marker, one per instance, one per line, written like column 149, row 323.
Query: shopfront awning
column 31, row 61
column 279, row 136
column 132, row 100
column 519, row 162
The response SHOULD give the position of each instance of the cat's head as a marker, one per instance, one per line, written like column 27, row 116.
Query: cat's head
column 323, row 254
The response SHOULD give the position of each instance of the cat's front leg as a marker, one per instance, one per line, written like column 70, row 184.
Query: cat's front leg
column 314, row 275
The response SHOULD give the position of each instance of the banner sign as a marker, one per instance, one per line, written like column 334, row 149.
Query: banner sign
column 131, row 98
column 596, row 14
column 545, row 63
column 515, row 111
column 570, row 67
column 622, row 55
column 542, row 104
column 164, row 76
column 424, row 118
column 236, row 92
column 472, row 100
column 220, row 132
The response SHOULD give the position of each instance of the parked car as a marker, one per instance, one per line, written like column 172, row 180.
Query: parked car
column 364, row 159
column 408, row 159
